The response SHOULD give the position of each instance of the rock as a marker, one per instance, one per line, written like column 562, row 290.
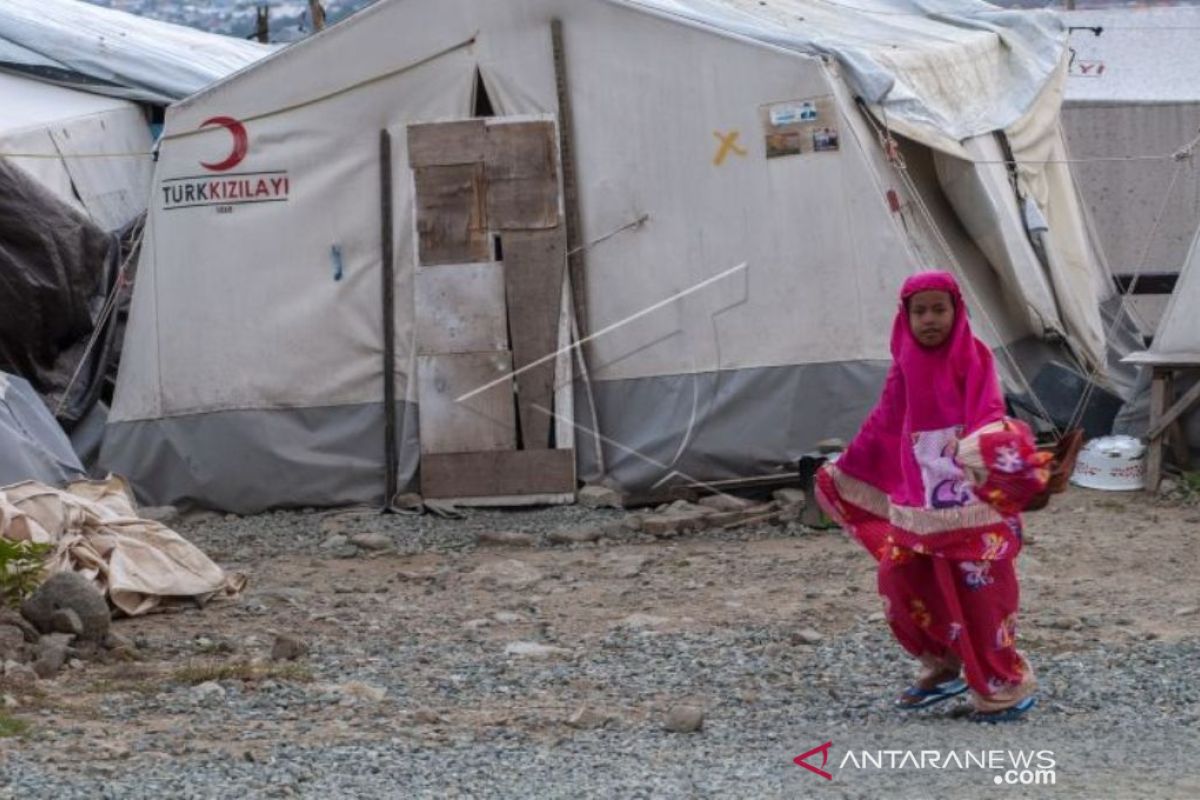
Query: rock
column 724, row 502
column 208, row 693
column 876, row 617
column 427, row 716
column 1187, row 611
column 162, row 514
column 534, row 650
column 507, row 538
column 806, row 636
column 599, row 497
column 12, row 643
column 476, row 624
column 632, row 522
column 639, row 620
column 66, row 620
column 663, row 526
column 1167, row 486
column 507, row 617
column 288, row 648
column 19, row 676
column 1064, row 624
column 357, row 690
column 409, row 501
column 628, row 566
column 68, row 590
column 588, row 719
column 334, row 542
column 372, row 541
column 50, row 660
column 508, row 573
column 790, row 497
column 576, row 536
column 684, row 719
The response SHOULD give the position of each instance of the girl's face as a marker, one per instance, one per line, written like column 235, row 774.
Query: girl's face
column 931, row 317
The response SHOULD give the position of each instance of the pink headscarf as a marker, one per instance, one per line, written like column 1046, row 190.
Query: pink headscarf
column 932, row 397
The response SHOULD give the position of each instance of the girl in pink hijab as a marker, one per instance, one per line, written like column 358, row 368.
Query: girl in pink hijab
column 932, row 486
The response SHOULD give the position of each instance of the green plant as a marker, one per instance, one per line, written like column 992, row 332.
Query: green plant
column 21, row 567
column 11, row 726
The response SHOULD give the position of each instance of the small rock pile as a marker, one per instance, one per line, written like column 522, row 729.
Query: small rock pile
column 66, row 620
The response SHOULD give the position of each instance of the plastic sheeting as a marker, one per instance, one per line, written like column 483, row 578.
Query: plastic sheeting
column 32, row 445
column 114, row 53
column 51, row 268
column 946, row 69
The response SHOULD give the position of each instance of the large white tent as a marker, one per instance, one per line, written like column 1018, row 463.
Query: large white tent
column 1133, row 92
column 743, row 226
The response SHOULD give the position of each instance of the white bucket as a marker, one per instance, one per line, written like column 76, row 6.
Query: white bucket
column 1111, row 463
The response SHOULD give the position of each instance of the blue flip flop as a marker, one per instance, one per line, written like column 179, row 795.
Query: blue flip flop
column 1010, row 714
column 927, row 697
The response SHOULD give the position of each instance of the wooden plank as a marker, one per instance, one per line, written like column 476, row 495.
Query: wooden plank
column 522, row 176
column 484, row 422
column 534, row 262
column 1154, row 450
column 497, row 473
column 1176, row 410
column 438, row 144
column 460, row 309
column 452, row 219
column 564, row 376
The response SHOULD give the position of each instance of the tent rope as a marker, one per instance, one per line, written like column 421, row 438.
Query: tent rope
column 110, row 303
column 1182, row 157
column 891, row 149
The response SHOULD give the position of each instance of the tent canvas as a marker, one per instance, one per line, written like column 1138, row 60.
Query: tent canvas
column 253, row 366
column 32, row 445
column 1133, row 92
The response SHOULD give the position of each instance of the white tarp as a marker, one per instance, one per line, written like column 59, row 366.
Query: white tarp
column 114, row 53
column 1178, row 338
column 91, row 152
column 945, row 70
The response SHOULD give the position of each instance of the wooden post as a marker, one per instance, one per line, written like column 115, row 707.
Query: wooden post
column 317, row 12
column 391, row 456
column 566, row 144
column 262, row 23
column 1154, row 448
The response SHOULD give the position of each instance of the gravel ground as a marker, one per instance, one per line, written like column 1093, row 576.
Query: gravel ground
column 439, row 668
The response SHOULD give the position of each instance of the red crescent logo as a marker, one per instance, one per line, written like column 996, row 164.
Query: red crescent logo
column 241, row 143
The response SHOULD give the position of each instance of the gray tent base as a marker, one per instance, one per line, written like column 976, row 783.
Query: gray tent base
column 657, row 432
column 274, row 458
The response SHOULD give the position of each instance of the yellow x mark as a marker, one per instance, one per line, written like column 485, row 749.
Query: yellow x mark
column 728, row 145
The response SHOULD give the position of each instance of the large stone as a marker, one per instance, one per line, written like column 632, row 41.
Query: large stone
column 599, row 497
column 508, row 573
column 66, row 620
column 288, row 647
column 68, row 590
column 684, row 719
column 372, row 541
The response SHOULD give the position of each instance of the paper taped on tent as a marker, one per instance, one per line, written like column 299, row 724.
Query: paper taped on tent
column 509, row 246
